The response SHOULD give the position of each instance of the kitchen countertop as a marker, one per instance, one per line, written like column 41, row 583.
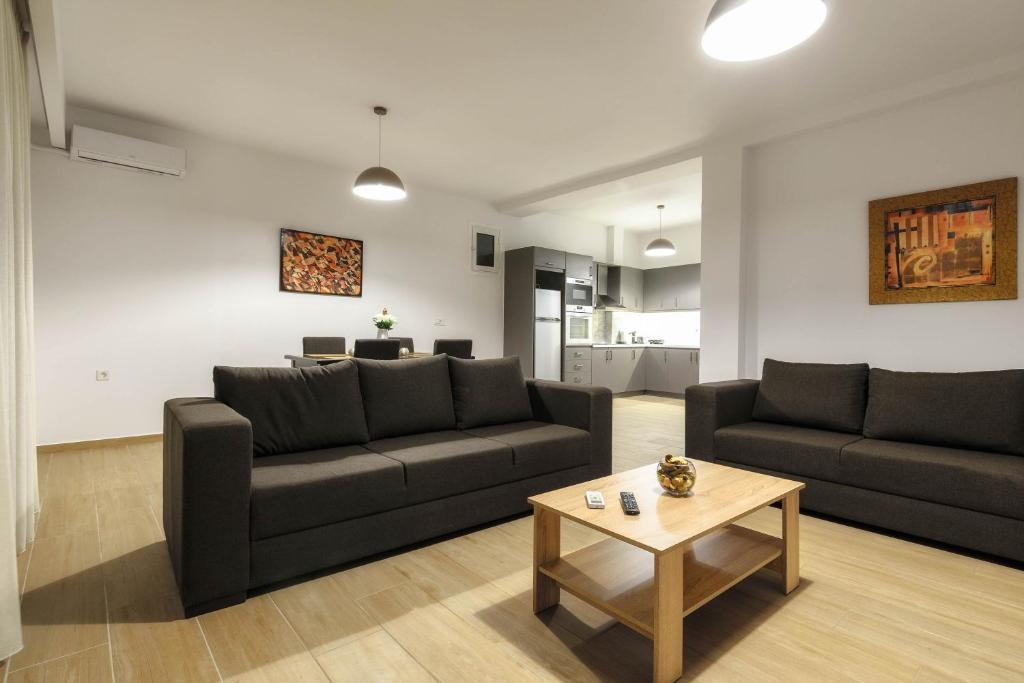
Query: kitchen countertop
column 640, row 346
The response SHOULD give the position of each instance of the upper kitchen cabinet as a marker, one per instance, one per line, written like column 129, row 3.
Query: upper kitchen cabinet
column 548, row 258
column 631, row 288
column 676, row 288
column 579, row 266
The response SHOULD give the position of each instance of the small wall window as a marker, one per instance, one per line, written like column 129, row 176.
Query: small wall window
column 486, row 247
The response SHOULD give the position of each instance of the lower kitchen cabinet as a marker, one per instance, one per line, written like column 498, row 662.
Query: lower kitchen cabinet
column 646, row 369
column 618, row 369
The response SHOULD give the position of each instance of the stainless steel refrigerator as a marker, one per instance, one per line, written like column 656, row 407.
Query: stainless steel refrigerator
column 547, row 334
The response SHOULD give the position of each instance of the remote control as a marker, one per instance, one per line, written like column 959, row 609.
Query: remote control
column 595, row 500
column 628, row 501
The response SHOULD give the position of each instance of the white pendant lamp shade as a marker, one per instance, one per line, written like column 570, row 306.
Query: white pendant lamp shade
column 660, row 246
column 745, row 30
column 379, row 183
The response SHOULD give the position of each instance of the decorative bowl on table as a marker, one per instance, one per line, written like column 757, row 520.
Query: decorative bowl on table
column 677, row 475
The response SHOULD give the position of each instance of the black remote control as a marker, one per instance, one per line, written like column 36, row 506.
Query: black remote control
column 628, row 501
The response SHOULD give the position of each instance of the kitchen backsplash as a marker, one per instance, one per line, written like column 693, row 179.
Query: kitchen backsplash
column 675, row 327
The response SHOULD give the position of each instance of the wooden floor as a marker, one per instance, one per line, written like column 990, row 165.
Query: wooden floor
column 99, row 601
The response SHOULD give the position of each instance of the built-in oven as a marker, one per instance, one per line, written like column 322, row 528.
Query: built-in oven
column 579, row 294
column 579, row 327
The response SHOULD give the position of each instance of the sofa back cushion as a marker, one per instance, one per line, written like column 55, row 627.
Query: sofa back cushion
column 981, row 411
column 406, row 396
column 295, row 409
column 817, row 395
column 489, row 392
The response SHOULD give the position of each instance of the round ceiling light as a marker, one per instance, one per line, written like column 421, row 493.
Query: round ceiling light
column 660, row 246
column 377, row 182
column 745, row 30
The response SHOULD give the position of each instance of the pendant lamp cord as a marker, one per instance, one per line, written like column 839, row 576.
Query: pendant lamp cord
column 380, row 136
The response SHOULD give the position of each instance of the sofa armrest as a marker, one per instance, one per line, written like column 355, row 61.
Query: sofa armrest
column 207, row 488
column 714, row 405
column 586, row 408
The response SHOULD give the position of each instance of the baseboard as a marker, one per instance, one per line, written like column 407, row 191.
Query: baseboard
column 98, row 443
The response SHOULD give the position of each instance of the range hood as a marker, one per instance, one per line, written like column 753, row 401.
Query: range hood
column 606, row 291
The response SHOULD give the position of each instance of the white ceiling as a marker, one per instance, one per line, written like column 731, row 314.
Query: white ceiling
column 631, row 203
column 493, row 99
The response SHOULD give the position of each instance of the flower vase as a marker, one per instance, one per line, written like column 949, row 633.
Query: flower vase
column 382, row 333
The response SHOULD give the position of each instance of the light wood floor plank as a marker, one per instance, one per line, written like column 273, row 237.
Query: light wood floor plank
column 253, row 642
column 90, row 666
column 323, row 614
column 374, row 657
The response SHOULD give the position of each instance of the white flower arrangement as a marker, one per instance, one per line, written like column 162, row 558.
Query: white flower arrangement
column 384, row 320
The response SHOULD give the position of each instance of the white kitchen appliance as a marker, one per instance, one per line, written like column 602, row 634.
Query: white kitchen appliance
column 547, row 333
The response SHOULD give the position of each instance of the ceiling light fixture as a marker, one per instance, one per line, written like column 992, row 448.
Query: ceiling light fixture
column 660, row 246
column 745, row 30
column 377, row 182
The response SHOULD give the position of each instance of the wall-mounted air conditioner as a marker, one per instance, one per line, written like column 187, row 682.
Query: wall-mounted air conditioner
column 97, row 146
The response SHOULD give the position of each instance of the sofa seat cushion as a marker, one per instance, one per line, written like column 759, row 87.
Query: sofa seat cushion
column 488, row 392
column 540, row 447
column 293, row 410
column 815, row 395
column 441, row 464
column 979, row 411
column 783, row 448
column 406, row 396
column 300, row 491
column 973, row 480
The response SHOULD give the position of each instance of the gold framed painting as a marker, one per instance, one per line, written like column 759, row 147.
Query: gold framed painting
column 956, row 244
column 312, row 263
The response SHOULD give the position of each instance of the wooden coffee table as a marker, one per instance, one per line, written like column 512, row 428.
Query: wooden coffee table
column 672, row 558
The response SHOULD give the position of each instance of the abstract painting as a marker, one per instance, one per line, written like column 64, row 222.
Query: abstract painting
column 957, row 244
column 321, row 264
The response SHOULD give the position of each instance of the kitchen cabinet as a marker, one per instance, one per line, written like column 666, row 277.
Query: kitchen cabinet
column 619, row 369
column 577, row 365
column 671, row 370
column 631, row 288
column 548, row 258
column 676, row 288
column 579, row 266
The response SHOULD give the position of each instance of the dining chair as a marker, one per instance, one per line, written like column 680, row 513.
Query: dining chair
column 405, row 343
column 378, row 349
column 457, row 348
column 323, row 345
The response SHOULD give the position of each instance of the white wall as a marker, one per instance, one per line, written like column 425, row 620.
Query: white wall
column 685, row 237
column 159, row 279
column 555, row 231
column 807, row 233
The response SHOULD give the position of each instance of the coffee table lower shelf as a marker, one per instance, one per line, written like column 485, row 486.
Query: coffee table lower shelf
column 618, row 578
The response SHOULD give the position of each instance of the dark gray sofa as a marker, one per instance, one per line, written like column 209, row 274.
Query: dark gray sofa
column 288, row 471
column 935, row 455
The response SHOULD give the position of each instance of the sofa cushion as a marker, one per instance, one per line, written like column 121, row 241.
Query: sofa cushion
column 488, row 392
column 816, row 395
column 295, row 409
column 406, row 396
column 985, row 482
column 783, row 448
column 300, row 491
column 441, row 464
column 974, row 410
column 540, row 447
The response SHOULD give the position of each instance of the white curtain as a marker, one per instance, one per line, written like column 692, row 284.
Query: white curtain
column 19, row 489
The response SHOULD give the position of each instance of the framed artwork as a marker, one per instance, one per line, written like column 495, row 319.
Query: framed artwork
column 957, row 244
column 321, row 264
column 486, row 247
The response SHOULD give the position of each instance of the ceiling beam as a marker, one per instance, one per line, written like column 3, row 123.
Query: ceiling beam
column 46, row 38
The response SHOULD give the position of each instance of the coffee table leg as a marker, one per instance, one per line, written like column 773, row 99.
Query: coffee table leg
column 791, row 541
column 668, row 616
column 546, row 547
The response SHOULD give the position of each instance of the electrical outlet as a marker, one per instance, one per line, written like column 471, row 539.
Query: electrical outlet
column 102, row 375
column 440, row 322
